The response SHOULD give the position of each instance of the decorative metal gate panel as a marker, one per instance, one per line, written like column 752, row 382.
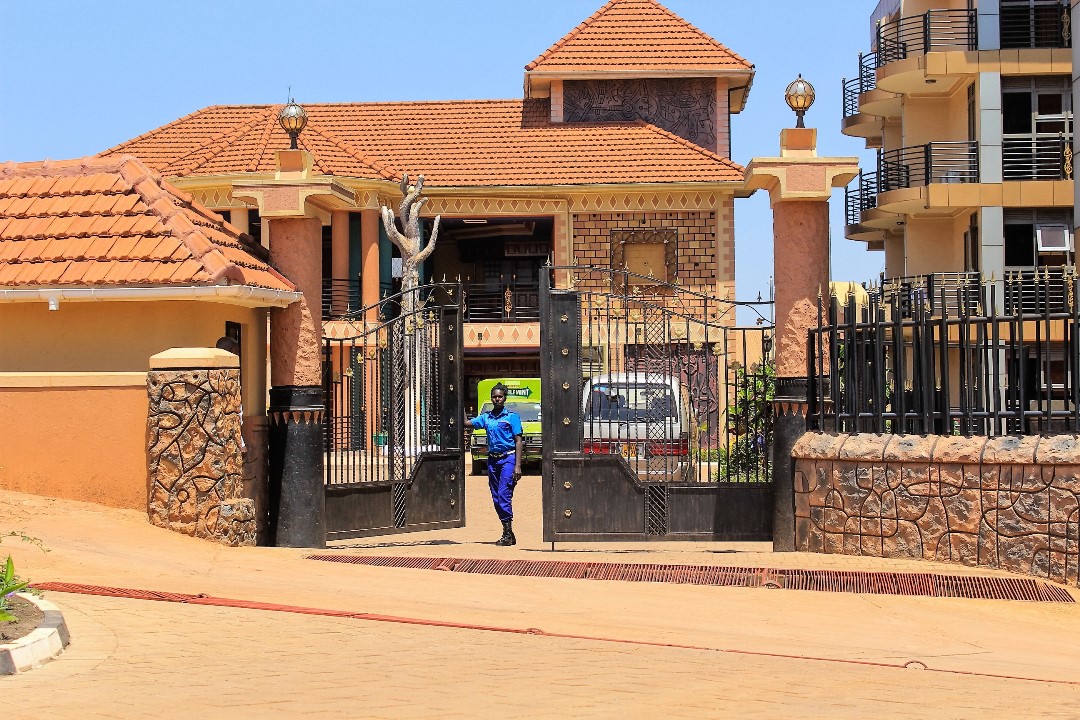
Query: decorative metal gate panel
column 395, row 452
column 656, row 411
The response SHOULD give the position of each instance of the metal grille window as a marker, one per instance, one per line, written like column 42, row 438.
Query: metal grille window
column 1036, row 128
column 1037, row 237
column 1035, row 24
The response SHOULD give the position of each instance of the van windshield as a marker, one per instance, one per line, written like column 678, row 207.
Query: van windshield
column 529, row 412
column 630, row 402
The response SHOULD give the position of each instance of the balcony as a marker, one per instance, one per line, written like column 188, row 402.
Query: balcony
column 1038, row 157
column 1043, row 25
column 864, row 83
column 860, row 198
column 934, row 31
column 935, row 162
column 339, row 298
column 516, row 302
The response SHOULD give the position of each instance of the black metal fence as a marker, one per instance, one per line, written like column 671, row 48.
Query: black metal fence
column 381, row 377
column 671, row 383
column 879, row 367
column 954, row 293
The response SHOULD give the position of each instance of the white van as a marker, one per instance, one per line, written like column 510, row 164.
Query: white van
column 645, row 418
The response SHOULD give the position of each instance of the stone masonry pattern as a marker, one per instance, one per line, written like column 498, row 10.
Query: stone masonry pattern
column 1011, row 503
column 196, row 462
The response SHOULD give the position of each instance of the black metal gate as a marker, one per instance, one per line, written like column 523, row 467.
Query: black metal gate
column 395, row 454
column 656, row 411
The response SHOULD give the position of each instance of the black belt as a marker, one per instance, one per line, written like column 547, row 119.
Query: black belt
column 500, row 456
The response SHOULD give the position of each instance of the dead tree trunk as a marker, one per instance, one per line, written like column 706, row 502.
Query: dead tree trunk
column 409, row 327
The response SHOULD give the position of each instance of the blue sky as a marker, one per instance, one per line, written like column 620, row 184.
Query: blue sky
column 79, row 77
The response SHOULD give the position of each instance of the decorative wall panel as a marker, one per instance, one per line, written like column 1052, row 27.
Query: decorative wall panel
column 1011, row 503
column 684, row 107
column 196, row 461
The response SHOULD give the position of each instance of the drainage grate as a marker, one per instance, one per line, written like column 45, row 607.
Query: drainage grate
column 851, row 581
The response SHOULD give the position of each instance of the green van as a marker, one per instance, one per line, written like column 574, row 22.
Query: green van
column 523, row 397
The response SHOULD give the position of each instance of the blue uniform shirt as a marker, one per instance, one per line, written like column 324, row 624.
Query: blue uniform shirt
column 501, row 429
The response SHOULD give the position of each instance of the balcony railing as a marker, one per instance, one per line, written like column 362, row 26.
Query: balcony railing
column 860, row 198
column 1039, row 25
column 517, row 302
column 339, row 298
column 934, row 31
column 1040, row 290
column 935, row 162
column 943, row 293
column 865, row 82
column 1037, row 157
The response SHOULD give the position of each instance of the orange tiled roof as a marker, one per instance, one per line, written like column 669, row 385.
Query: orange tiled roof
column 453, row 143
column 636, row 35
column 112, row 222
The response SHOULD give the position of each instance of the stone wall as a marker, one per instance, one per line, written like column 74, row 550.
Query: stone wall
column 195, row 457
column 1011, row 503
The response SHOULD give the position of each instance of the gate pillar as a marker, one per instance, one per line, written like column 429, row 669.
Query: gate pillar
column 799, row 184
column 293, row 204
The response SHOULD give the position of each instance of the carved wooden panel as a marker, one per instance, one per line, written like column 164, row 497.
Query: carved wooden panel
column 685, row 107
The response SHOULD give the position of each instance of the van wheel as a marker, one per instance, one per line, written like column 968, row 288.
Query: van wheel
column 479, row 467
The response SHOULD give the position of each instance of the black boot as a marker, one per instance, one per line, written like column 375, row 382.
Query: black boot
column 508, row 535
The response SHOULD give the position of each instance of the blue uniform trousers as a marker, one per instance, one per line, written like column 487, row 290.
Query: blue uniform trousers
column 501, row 482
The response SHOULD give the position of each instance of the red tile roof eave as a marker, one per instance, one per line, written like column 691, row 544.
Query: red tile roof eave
column 566, row 39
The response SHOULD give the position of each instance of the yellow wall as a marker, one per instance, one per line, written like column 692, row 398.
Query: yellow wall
column 78, row 442
column 935, row 119
column 121, row 337
column 934, row 245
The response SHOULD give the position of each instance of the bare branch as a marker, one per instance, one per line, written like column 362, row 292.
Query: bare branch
column 423, row 254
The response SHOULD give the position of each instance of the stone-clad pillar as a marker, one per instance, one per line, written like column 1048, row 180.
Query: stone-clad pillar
column 194, row 446
column 291, row 205
column 799, row 185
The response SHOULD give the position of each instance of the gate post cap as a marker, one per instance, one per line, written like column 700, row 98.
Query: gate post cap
column 193, row 358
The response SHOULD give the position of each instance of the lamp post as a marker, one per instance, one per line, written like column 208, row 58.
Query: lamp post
column 293, row 120
column 799, row 96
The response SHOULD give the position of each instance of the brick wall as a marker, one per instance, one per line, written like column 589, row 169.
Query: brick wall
column 699, row 253
column 1011, row 503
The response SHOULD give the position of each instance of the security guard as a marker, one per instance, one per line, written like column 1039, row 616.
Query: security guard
column 504, row 457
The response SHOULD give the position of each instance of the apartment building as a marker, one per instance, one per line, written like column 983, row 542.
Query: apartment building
column 969, row 105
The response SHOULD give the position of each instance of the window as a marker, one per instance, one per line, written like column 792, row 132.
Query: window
column 1036, row 118
column 1053, row 238
column 1036, row 237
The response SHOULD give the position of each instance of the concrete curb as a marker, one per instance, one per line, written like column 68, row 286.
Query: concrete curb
column 39, row 647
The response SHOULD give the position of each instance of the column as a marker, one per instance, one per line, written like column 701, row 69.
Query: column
column 296, row 393
column 341, row 292
column 369, row 258
column 290, row 205
column 799, row 185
